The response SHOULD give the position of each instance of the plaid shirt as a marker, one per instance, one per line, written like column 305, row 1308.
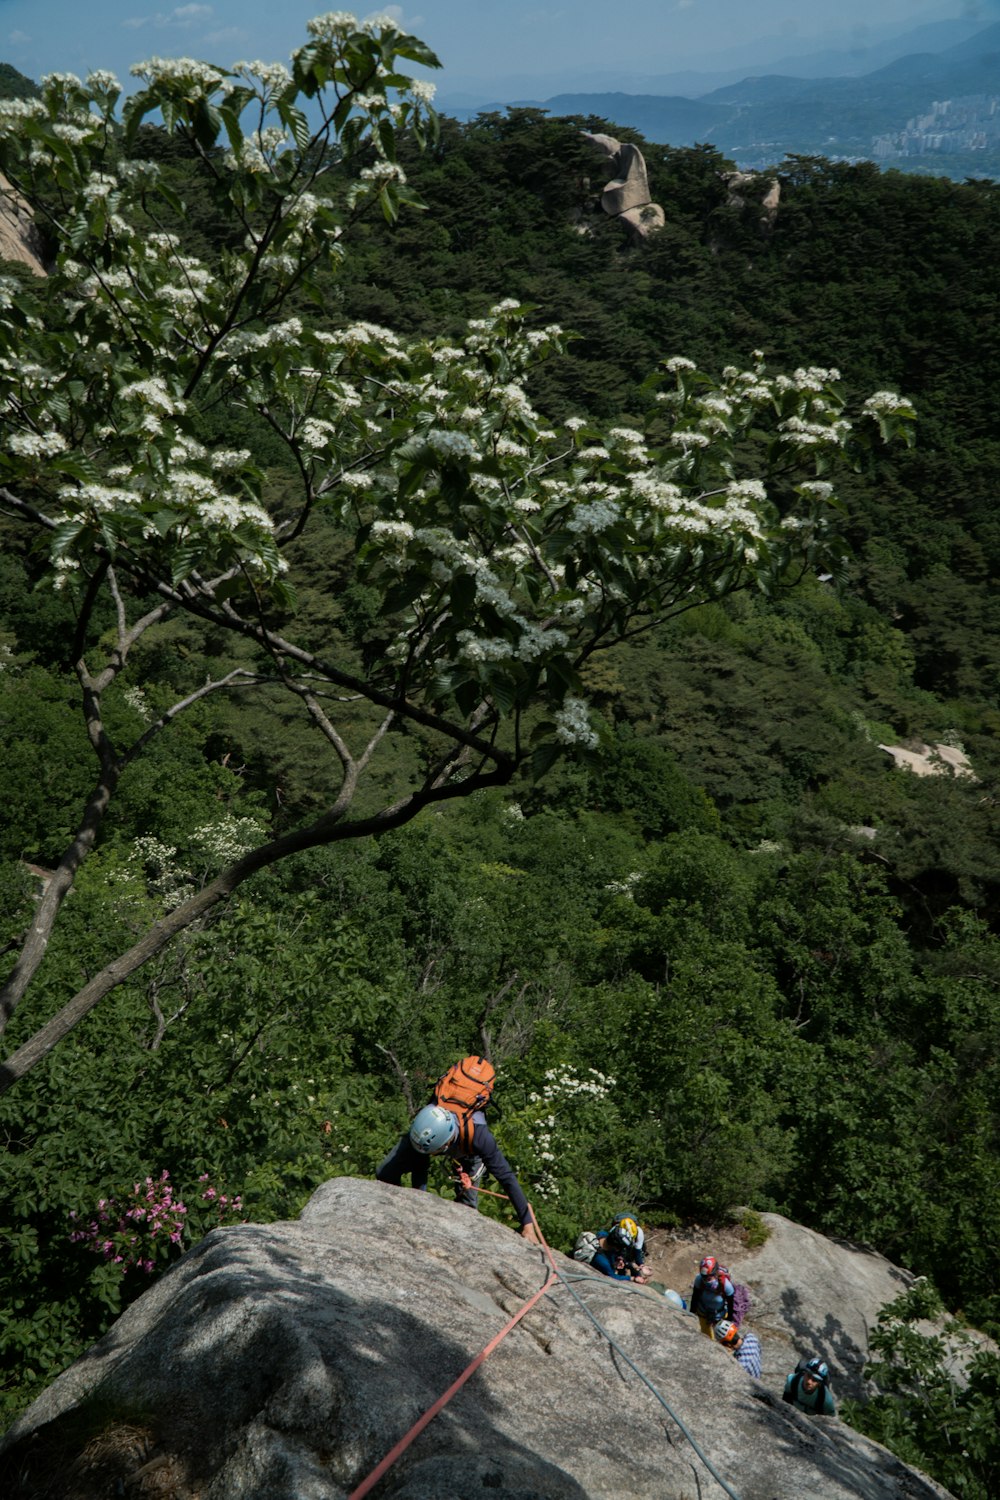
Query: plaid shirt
column 748, row 1355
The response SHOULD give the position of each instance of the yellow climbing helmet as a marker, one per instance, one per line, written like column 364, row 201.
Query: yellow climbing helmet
column 626, row 1231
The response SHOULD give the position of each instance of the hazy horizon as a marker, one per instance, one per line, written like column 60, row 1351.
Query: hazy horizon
column 480, row 45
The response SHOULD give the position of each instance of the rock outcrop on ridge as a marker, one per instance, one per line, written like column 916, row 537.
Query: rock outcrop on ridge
column 286, row 1360
column 19, row 238
column 626, row 194
column 810, row 1294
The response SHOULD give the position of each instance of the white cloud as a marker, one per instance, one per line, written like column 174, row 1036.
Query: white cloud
column 18, row 37
column 181, row 18
column 396, row 13
column 226, row 34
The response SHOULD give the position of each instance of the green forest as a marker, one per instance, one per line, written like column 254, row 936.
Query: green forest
column 620, row 816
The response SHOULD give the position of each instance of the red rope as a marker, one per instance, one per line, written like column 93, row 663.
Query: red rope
column 376, row 1474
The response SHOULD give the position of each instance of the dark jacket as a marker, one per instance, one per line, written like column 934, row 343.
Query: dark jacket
column 818, row 1403
column 406, row 1159
column 712, row 1297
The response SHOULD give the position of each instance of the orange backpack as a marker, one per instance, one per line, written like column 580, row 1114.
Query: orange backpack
column 466, row 1087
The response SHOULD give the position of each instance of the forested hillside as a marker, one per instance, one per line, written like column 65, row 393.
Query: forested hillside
column 723, row 951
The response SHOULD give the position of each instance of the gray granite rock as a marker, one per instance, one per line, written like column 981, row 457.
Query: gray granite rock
column 285, row 1361
column 19, row 238
column 626, row 194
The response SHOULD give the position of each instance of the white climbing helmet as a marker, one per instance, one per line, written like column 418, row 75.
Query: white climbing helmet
column 433, row 1130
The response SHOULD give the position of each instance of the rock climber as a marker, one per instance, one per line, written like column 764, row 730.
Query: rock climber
column 807, row 1388
column 712, row 1295
column 745, row 1346
column 620, row 1251
column 454, row 1125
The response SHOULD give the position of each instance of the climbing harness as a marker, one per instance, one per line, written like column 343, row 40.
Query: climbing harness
column 556, row 1277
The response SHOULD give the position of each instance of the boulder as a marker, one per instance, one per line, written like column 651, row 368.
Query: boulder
column 814, row 1295
column 644, row 221
column 626, row 195
column 19, row 238
column 810, row 1294
column 751, row 186
column 931, row 760
column 284, row 1361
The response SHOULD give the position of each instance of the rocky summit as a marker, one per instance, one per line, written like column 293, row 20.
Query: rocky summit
column 286, row 1360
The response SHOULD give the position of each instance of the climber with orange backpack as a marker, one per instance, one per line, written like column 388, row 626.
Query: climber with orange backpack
column 454, row 1125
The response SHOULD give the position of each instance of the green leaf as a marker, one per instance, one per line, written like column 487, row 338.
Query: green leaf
column 64, row 535
column 403, row 593
column 296, row 122
column 163, row 520
column 414, row 50
column 544, row 757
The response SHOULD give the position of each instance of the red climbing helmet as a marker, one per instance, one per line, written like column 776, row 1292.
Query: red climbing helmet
column 709, row 1266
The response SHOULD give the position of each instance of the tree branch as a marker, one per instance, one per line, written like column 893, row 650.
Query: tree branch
column 327, row 829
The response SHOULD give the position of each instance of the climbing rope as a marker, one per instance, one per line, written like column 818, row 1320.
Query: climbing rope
column 442, row 1401
column 557, row 1276
column 565, row 1280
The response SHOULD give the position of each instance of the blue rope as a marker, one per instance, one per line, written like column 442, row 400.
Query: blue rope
column 601, row 1283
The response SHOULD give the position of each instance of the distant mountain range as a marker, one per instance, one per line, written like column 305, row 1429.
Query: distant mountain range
column 758, row 119
column 700, row 76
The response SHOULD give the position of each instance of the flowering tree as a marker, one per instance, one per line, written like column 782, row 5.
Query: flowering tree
column 502, row 552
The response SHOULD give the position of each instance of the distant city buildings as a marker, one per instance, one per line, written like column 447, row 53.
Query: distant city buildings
column 968, row 124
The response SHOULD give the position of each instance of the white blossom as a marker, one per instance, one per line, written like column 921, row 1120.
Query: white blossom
column 393, row 531
column 750, row 490
column 273, row 76
column 383, row 171
column 230, row 511
column 817, row 489
column 227, row 840
column 474, row 649
column 883, row 403
column 573, row 724
column 382, row 21
column 316, row 433
column 224, row 459
column 357, row 479
column 36, row 444
column 332, row 25
column 593, row 518
column 153, row 393
column 12, row 110
column 451, row 446
column 178, row 70
column 136, row 700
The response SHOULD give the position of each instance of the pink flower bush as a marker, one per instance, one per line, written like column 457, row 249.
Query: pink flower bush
column 135, row 1236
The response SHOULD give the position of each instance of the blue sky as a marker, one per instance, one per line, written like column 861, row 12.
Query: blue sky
column 480, row 41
